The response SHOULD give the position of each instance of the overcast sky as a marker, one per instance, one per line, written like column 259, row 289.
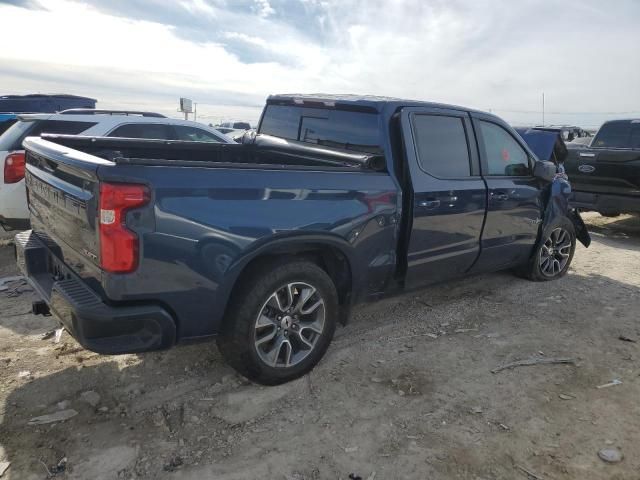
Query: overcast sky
column 228, row 55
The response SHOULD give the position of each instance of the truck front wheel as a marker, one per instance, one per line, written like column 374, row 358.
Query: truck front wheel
column 280, row 321
column 553, row 254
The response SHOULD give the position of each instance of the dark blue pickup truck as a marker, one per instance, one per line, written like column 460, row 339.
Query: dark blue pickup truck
column 335, row 200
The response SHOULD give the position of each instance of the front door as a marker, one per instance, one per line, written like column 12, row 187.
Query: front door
column 449, row 196
column 515, row 202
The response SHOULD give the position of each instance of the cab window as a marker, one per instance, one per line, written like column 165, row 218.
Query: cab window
column 505, row 156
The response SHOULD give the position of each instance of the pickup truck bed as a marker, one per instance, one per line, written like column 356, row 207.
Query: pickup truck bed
column 204, row 222
column 139, row 244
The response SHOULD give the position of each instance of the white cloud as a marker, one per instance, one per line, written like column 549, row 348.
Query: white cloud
column 488, row 54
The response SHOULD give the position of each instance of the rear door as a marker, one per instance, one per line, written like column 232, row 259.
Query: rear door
column 612, row 164
column 514, row 196
column 449, row 195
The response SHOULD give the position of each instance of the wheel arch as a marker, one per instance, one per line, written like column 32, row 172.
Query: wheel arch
column 333, row 254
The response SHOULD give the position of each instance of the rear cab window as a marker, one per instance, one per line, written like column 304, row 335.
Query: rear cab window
column 340, row 129
column 13, row 138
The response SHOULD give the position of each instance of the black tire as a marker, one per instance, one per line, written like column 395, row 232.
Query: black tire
column 533, row 270
column 237, row 340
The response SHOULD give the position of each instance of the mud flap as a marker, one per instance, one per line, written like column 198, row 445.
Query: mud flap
column 582, row 234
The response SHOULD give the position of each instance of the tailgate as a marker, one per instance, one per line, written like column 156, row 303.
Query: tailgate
column 62, row 191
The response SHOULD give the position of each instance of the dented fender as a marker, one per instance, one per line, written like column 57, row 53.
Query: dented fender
column 557, row 205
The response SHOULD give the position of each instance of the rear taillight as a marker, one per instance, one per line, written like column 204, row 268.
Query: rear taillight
column 119, row 245
column 14, row 167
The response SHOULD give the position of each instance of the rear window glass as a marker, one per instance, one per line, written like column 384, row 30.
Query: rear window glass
column 614, row 135
column 152, row 131
column 12, row 139
column 441, row 143
column 331, row 128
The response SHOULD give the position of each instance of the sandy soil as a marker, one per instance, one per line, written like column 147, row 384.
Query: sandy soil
column 405, row 391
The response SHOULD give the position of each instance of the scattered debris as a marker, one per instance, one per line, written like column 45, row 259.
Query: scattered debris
column 503, row 426
column 534, row 361
column 353, row 476
column 58, row 335
column 610, row 455
column 372, row 476
column 59, row 467
column 173, row 464
column 91, row 397
column 60, row 416
column 627, row 338
column 465, row 330
column 612, row 383
column 48, row 335
column 430, row 335
column 6, row 280
column 24, row 374
column 63, row 405
column 4, row 466
column 476, row 410
column 529, row 473
column 351, row 449
column 564, row 396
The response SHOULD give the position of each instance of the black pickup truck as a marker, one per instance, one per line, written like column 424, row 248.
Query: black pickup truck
column 606, row 175
column 140, row 244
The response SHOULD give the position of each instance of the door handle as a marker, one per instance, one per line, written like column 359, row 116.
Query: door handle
column 429, row 204
column 587, row 155
column 500, row 197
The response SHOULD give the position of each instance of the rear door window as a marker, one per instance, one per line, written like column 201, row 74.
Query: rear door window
column 192, row 134
column 504, row 155
column 14, row 137
column 441, row 145
column 614, row 135
column 150, row 131
column 341, row 129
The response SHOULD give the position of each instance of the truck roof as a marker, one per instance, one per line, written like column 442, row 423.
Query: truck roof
column 369, row 102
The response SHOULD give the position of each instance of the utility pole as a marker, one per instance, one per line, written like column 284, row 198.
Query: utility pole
column 195, row 112
column 543, row 109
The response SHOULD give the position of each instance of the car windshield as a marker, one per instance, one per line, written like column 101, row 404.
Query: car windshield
column 12, row 138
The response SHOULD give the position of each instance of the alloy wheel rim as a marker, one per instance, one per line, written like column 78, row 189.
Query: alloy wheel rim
column 289, row 325
column 555, row 252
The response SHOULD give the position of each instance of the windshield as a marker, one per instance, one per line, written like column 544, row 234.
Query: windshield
column 12, row 138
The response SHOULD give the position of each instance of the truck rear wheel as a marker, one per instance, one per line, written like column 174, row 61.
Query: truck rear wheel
column 280, row 321
column 553, row 253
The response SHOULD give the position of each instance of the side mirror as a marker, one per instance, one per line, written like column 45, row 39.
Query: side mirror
column 545, row 170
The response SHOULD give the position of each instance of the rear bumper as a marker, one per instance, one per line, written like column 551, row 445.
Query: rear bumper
column 605, row 203
column 95, row 325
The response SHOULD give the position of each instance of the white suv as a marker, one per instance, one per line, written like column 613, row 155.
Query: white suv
column 14, row 213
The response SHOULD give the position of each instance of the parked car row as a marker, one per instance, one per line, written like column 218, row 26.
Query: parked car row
column 139, row 244
column 14, row 213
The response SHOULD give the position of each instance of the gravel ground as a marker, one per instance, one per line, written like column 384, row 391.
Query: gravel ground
column 405, row 391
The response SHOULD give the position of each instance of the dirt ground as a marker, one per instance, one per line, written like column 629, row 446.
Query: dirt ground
column 405, row 390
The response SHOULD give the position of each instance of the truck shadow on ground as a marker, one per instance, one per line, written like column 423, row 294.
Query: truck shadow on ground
column 173, row 410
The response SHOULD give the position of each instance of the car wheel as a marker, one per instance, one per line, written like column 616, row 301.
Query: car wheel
column 280, row 321
column 553, row 253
